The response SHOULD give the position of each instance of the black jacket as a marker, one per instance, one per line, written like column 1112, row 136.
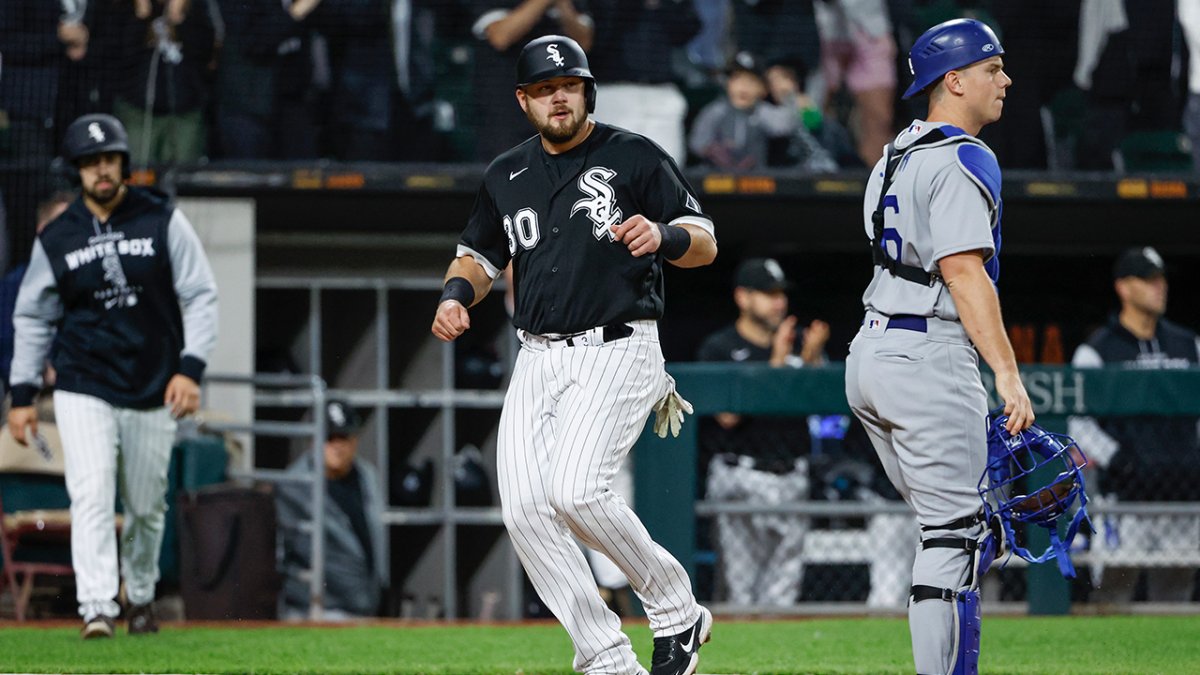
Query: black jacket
column 133, row 301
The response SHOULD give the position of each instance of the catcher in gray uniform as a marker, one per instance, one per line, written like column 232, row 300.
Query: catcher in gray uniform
column 932, row 210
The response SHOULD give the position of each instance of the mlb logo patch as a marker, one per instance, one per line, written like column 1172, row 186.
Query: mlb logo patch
column 874, row 324
column 914, row 129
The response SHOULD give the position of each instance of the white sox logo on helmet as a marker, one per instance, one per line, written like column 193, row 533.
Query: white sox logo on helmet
column 337, row 415
column 552, row 50
column 95, row 132
column 601, row 203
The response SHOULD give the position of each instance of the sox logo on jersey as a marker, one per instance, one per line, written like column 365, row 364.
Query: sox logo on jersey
column 601, row 202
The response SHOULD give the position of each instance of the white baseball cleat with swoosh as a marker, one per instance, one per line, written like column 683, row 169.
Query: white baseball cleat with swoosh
column 679, row 654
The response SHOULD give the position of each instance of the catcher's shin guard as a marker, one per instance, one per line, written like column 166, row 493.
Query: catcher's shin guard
column 968, row 626
column 979, row 545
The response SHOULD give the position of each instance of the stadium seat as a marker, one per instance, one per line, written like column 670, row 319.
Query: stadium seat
column 1156, row 151
column 35, row 523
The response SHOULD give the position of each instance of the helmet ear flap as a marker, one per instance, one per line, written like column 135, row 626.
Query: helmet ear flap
column 590, row 95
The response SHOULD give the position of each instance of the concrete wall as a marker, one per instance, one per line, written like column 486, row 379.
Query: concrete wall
column 226, row 228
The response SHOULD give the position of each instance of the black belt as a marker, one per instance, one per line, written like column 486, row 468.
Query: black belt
column 613, row 331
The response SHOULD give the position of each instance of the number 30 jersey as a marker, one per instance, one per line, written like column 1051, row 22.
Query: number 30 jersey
column 944, row 199
column 552, row 216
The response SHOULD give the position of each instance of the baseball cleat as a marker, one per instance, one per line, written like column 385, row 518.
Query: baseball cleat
column 97, row 627
column 142, row 620
column 679, row 654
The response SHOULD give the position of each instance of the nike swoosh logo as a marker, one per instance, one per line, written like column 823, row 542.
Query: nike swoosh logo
column 687, row 646
column 514, row 174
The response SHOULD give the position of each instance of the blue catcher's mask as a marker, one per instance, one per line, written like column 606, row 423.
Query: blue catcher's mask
column 1011, row 493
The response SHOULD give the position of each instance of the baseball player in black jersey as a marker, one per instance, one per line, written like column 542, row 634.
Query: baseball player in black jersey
column 761, row 459
column 588, row 214
column 120, row 283
column 1142, row 457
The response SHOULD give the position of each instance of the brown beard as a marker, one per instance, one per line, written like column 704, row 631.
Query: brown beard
column 105, row 198
column 554, row 134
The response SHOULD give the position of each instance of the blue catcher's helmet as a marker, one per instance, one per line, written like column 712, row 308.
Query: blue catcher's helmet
column 1011, row 493
column 949, row 46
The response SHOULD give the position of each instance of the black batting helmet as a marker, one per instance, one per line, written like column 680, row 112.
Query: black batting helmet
column 94, row 134
column 555, row 56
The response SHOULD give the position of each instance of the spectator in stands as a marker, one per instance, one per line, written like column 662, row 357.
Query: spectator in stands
column 1189, row 19
column 36, row 40
column 161, row 97
column 79, row 83
column 34, row 43
column 501, row 28
column 733, row 133
column 819, row 143
column 1041, row 54
column 1142, row 457
column 706, row 51
column 1124, row 65
column 760, row 460
column 859, row 55
column 49, row 209
column 636, row 42
column 355, row 573
column 778, row 30
column 381, row 63
column 264, row 93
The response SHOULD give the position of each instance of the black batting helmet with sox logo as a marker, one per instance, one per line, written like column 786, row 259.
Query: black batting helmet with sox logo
column 94, row 134
column 555, row 56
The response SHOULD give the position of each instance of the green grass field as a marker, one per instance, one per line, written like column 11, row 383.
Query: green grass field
column 1093, row 645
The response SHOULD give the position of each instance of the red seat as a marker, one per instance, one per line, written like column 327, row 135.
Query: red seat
column 27, row 528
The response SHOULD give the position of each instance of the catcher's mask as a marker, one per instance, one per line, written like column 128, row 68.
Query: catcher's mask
column 1012, row 493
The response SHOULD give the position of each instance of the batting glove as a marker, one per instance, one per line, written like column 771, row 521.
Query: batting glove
column 668, row 413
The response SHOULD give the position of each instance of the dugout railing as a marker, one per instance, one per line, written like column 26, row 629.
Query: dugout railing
column 305, row 391
column 356, row 334
column 666, row 471
column 666, row 475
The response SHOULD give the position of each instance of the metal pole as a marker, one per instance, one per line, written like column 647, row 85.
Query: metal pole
column 449, row 528
column 316, row 606
column 382, row 426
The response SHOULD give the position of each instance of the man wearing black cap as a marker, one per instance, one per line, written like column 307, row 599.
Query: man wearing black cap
column 354, row 570
column 1143, row 458
column 762, row 459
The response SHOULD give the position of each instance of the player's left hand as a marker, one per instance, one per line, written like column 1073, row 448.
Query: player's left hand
column 640, row 234
column 183, row 396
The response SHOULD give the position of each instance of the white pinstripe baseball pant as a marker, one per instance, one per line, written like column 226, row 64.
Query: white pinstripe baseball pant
column 102, row 443
column 570, row 416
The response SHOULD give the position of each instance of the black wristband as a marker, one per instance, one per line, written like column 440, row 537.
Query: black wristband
column 23, row 395
column 675, row 241
column 458, row 288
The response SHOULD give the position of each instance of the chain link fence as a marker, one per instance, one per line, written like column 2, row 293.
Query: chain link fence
column 795, row 515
